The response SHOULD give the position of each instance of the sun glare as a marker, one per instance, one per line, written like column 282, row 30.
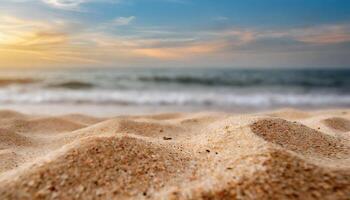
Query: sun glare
column 3, row 38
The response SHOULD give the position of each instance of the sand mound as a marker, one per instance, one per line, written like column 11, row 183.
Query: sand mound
column 173, row 156
column 166, row 116
column 43, row 125
column 9, row 160
column 131, row 126
column 8, row 114
column 104, row 167
column 81, row 119
column 338, row 123
column 284, row 176
column 299, row 138
column 12, row 139
column 148, row 128
column 290, row 114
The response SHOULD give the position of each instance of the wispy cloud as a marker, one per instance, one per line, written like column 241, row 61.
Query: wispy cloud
column 16, row 30
column 330, row 34
column 74, row 4
column 56, row 41
column 64, row 3
column 122, row 21
column 26, row 42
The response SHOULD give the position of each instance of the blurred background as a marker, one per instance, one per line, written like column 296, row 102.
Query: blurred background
column 144, row 90
column 135, row 56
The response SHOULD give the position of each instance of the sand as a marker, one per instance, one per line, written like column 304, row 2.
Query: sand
column 285, row 154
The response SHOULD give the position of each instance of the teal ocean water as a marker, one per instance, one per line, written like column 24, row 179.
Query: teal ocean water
column 178, row 87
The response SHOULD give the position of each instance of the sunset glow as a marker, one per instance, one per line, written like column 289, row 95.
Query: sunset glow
column 56, row 33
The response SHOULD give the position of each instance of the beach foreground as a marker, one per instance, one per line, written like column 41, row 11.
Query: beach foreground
column 272, row 155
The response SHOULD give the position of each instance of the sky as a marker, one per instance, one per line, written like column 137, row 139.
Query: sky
column 175, row 33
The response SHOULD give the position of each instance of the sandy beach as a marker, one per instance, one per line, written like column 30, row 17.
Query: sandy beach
column 174, row 100
column 284, row 154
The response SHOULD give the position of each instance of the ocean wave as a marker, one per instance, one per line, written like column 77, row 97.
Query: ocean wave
column 183, row 87
column 18, row 81
column 72, row 85
column 175, row 98
column 115, row 79
column 241, row 80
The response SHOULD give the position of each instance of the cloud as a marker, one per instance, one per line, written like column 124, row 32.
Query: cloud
column 54, row 42
column 73, row 4
column 330, row 34
column 318, row 35
column 122, row 21
column 30, row 42
column 64, row 3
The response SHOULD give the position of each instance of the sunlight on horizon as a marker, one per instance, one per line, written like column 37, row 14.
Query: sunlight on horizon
column 36, row 33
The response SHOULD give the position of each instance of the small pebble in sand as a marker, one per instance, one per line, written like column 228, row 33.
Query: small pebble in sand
column 167, row 138
column 207, row 150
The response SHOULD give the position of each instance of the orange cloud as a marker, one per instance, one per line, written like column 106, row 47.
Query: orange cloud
column 45, row 43
column 26, row 42
column 326, row 38
column 178, row 52
column 323, row 35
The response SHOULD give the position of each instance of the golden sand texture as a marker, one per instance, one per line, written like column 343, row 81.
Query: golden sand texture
column 338, row 123
column 287, row 154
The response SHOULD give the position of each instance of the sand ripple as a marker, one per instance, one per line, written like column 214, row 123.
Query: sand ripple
column 175, row 156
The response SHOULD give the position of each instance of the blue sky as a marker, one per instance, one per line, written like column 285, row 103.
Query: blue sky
column 171, row 33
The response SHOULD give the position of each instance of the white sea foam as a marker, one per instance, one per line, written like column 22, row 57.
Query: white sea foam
column 224, row 88
column 197, row 98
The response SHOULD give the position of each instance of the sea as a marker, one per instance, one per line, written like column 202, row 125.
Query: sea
column 214, row 88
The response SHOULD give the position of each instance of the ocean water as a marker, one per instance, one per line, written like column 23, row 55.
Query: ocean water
column 215, row 88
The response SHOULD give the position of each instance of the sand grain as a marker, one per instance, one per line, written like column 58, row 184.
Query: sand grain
column 175, row 156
